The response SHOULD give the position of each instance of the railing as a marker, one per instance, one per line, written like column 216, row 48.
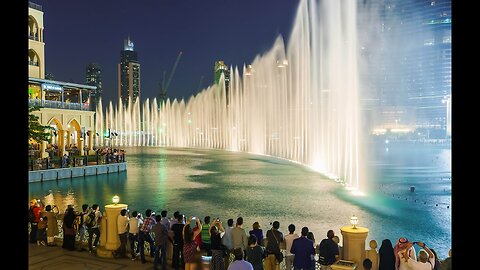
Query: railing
column 35, row 6
column 33, row 63
column 35, row 164
column 59, row 104
column 33, row 38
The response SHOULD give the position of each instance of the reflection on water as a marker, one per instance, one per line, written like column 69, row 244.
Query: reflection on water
column 263, row 189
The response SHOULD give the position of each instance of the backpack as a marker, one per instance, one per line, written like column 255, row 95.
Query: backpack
column 90, row 220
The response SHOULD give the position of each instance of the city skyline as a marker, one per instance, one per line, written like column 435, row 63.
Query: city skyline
column 235, row 32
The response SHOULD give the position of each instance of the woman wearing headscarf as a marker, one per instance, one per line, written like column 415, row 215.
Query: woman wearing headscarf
column 386, row 256
column 68, row 230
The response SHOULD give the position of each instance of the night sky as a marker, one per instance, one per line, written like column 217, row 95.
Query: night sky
column 79, row 32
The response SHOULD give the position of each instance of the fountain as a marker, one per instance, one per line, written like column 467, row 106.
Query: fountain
column 297, row 101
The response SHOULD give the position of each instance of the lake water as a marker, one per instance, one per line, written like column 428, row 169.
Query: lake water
column 264, row 189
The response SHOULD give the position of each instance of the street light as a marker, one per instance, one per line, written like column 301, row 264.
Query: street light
column 115, row 199
column 354, row 221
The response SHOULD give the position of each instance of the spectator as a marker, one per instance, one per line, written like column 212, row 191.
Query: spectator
column 52, row 225
column 274, row 238
column 367, row 264
column 426, row 259
column 34, row 218
column 122, row 230
column 257, row 232
column 68, row 230
column 303, row 249
column 386, row 256
column 239, row 236
column 255, row 253
column 288, row 243
column 134, row 226
column 239, row 263
column 329, row 253
column 161, row 236
column 401, row 257
column 447, row 263
column 217, row 248
column 144, row 235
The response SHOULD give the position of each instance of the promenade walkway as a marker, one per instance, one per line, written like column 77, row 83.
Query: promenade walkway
column 51, row 258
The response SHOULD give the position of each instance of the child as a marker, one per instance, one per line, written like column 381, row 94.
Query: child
column 42, row 231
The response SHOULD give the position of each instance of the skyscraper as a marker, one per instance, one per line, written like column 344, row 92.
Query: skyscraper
column 222, row 68
column 407, row 50
column 128, row 73
column 94, row 78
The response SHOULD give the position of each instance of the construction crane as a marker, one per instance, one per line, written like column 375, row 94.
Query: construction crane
column 165, row 84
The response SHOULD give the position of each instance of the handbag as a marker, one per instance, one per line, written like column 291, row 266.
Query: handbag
column 279, row 254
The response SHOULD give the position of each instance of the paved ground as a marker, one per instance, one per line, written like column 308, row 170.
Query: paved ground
column 44, row 257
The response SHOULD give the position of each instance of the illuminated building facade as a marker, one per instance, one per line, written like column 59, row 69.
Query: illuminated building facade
column 128, row 73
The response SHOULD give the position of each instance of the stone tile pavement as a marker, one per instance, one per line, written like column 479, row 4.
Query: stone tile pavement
column 50, row 258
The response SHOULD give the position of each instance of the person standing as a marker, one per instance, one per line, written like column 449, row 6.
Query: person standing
column 274, row 238
column 288, row 244
column 401, row 257
column 426, row 258
column 329, row 253
column 122, row 230
column 160, row 233
column 177, row 228
column 303, row 250
column 216, row 245
column 227, row 241
column 144, row 235
column 239, row 263
column 68, row 230
column 134, row 226
column 386, row 256
column 255, row 253
column 95, row 227
column 34, row 218
column 52, row 226
column 205, row 236
column 239, row 236
column 82, row 228
column 257, row 232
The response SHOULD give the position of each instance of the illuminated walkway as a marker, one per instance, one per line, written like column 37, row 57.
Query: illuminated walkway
column 41, row 257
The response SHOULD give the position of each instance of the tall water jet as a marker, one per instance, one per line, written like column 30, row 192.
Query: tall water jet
column 300, row 103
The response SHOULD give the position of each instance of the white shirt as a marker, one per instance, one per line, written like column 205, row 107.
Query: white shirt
column 289, row 241
column 134, row 225
column 417, row 265
column 122, row 223
column 404, row 265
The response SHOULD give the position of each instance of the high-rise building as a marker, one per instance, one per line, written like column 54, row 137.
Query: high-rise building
column 407, row 48
column 219, row 69
column 128, row 73
column 36, row 45
column 63, row 105
column 94, row 78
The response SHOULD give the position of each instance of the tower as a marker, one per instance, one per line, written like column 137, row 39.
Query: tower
column 222, row 68
column 94, row 78
column 128, row 73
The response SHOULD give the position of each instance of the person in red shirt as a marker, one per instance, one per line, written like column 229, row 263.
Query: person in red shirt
column 34, row 218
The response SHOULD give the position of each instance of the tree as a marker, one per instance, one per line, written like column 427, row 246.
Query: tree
column 36, row 131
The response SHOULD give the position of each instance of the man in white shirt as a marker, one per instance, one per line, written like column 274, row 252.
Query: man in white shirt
column 426, row 258
column 122, row 230
column 134, row 224
column 288, row 242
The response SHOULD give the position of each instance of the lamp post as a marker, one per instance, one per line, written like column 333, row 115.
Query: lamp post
column 354, row 242
column 109, row 228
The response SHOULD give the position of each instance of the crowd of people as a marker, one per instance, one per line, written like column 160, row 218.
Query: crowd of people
column 181, row 239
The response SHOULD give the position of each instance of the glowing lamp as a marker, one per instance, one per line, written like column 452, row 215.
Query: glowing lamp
column 115, row 199
column 354, row 221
